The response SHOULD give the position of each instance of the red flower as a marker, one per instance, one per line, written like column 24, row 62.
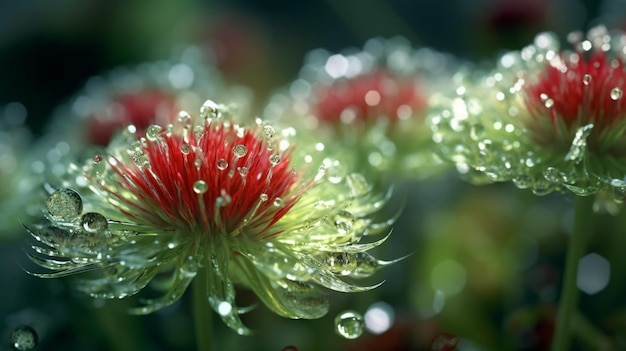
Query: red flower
column 140, row 109
column 368, row 97
column 576, row 90
column 190, row 180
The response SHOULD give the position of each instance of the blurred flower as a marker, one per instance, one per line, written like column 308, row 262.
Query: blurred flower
column 208, row 196
column 546, row 118
column 369, row 103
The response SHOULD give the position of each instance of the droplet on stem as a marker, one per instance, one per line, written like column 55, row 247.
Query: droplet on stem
column 349, row 324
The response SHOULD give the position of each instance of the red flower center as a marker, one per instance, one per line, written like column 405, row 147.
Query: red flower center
column 141, row 110
column 219, row 179
column 368, row 97
column 577, row 91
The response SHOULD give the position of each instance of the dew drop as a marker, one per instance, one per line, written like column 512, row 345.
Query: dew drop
column 97, row 159
column 341, row 263
column 64, row 204
column 152, row 133
column 548, row 103
column 222, row 164
column 200, row 187
column 344, row 222
column 263, row 197
column 616, row 93
column 97, row 166
column 24, row 338
column 185, row 148
column 349, row 324
column 243, row 171
column 184, row 118
column 274, row 159
column 587, row 79
column 278, row 202
column 240, row 150
column 209, row 110
column 269, row 132
column 93, row 222
column 197, row 163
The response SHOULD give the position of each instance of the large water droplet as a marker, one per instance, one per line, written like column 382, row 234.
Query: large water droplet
column 94, row 222
column 222, row 164
column 341, row 263
column 200, row 187
column 64, row 204
column 153, row 132
column 240, row 150
column 616, row 93
column 24, row 338
column 349, row 324
column 344, row 222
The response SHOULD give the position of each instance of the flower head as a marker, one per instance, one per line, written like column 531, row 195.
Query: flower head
column 241, row 204
column 371, row 102
column 546, row 118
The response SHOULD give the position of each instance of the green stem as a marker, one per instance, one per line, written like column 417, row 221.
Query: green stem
column 569, row 291
column 202, row 313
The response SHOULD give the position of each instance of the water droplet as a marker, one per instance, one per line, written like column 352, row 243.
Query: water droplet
column 274, row 159
column 200, row 187
column 344, row 222
column 94, row 222
column 184, row 118
column 97, row 159
column 548, row 103
column 64, row 204
column 152, row 133
column 278, row 202
column 243, row 171
column 97, row 166
column 185, row 148
column 198, row 163
column 341, row 263
column 587, row 79
column 240, row 150
column 349, row 324
column 24, row 338
column 222, row 164
column 616, row 93
column 210, row 110
column 269, row 132
column 263, row 197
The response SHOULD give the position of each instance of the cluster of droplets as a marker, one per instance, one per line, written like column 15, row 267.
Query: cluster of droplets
column 545, row 118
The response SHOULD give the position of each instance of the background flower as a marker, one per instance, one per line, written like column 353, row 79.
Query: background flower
column 372, row 102
column 546, row 118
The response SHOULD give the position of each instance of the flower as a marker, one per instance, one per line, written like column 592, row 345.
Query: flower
column 370, row 102
column 146, row 94
column 546, row 118
column 208, row 196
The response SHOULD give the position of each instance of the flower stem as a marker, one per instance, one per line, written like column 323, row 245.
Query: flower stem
column 569, row 292
column 202, row 313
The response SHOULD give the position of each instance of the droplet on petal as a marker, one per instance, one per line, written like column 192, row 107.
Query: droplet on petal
column 64, row 204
